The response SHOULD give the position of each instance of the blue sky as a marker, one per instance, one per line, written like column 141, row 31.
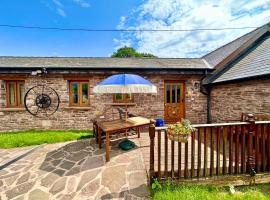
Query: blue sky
column 112, row 14
column 98, row 14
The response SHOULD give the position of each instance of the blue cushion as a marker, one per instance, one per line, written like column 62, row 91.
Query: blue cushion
column 159, row 122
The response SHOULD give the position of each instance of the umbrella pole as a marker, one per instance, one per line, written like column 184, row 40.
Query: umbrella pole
column 126, row 119
column 126, row 112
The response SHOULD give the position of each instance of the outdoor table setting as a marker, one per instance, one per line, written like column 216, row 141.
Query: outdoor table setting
column 122, row 84
column 115, row 126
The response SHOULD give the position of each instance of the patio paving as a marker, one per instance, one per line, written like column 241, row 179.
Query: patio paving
column 6, row 155
column 75, row 170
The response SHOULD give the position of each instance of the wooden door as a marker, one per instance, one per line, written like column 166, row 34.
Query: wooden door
column 174, row 101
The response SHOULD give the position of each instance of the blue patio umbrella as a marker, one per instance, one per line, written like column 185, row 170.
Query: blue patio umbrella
column 125, row 84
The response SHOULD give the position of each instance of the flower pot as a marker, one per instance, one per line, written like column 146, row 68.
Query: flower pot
column 178, row 137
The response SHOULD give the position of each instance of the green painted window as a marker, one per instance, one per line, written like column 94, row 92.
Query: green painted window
column 85, row 95
column 15, row 93
column 123, row 98
column 79, row 93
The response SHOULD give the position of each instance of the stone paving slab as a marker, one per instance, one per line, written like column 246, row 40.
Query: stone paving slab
column 75, row 170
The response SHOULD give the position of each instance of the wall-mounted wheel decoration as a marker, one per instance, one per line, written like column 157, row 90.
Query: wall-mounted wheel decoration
column 41, row 101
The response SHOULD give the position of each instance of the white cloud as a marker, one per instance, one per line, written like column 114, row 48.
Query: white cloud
column 57, row 3
column 82, row 3
column 59, row 6
column 190, row 14
column 121, row 22
column 61, row 12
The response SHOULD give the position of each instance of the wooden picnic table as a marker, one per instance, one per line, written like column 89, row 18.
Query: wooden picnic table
column 115, row 126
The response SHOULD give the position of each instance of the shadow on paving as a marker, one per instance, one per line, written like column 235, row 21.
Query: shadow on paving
column 77, row 157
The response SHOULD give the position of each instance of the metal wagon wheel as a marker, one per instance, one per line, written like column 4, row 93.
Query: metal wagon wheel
column 41, row 101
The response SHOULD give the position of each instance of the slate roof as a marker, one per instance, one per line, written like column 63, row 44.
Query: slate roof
column 254, row 63
column 245, row 57
column 215, row 57
column 100, row 63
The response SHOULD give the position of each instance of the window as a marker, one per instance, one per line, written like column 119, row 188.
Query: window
column 15, row 93
column 123, row 98
column 79, row 93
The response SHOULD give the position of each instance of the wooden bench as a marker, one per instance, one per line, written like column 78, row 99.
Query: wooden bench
column 244, row 116
column 257, row 117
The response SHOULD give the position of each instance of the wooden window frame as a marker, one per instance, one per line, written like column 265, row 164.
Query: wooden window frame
column 80, row 103
column 18, row 103
column 124, row 100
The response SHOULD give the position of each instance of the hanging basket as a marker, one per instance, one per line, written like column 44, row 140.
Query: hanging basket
column 178, row 137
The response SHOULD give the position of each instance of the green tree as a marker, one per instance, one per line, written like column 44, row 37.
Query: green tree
column 129, row 52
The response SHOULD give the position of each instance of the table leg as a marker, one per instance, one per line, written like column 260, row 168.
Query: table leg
column 107, row 147
column 99, row 137
column 139, row 132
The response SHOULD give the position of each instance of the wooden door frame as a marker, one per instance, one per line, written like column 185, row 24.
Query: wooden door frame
column 184, row 94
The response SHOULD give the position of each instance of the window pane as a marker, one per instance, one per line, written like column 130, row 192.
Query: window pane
column 168, row 93
column 85, row 93
column 178, row 94
column 128, row 97
column 21, row 93
column 118, row 97
column 173, row 93
column 11, row 92
column 74, row 92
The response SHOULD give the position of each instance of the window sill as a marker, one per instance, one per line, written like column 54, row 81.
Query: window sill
column 78, row 108
column 121, row 104
column 12, row 109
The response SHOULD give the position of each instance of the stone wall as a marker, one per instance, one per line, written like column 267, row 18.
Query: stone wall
column 148, row 105
column 229, row 101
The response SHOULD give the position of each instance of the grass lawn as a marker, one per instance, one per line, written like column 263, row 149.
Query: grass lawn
column 28, row 138
column 197, row 192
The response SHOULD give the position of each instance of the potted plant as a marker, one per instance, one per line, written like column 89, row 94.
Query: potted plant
column 181, row 131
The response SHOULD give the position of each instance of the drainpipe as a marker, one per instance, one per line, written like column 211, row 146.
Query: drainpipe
column 209, row 105
column 206, row 90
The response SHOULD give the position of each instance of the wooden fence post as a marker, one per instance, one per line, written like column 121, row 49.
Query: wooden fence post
column 152, row 132
column 251, row 134
column 95, row 130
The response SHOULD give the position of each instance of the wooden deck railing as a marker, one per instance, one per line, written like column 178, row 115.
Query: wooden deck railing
column 212, row 150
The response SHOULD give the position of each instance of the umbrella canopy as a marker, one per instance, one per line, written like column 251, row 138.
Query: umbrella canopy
column 125, row 83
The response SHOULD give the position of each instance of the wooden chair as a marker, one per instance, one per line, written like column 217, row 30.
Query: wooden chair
column 122, row 113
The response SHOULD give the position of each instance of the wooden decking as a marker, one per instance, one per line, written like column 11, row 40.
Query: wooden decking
column 212, row 150
column 179, row 149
